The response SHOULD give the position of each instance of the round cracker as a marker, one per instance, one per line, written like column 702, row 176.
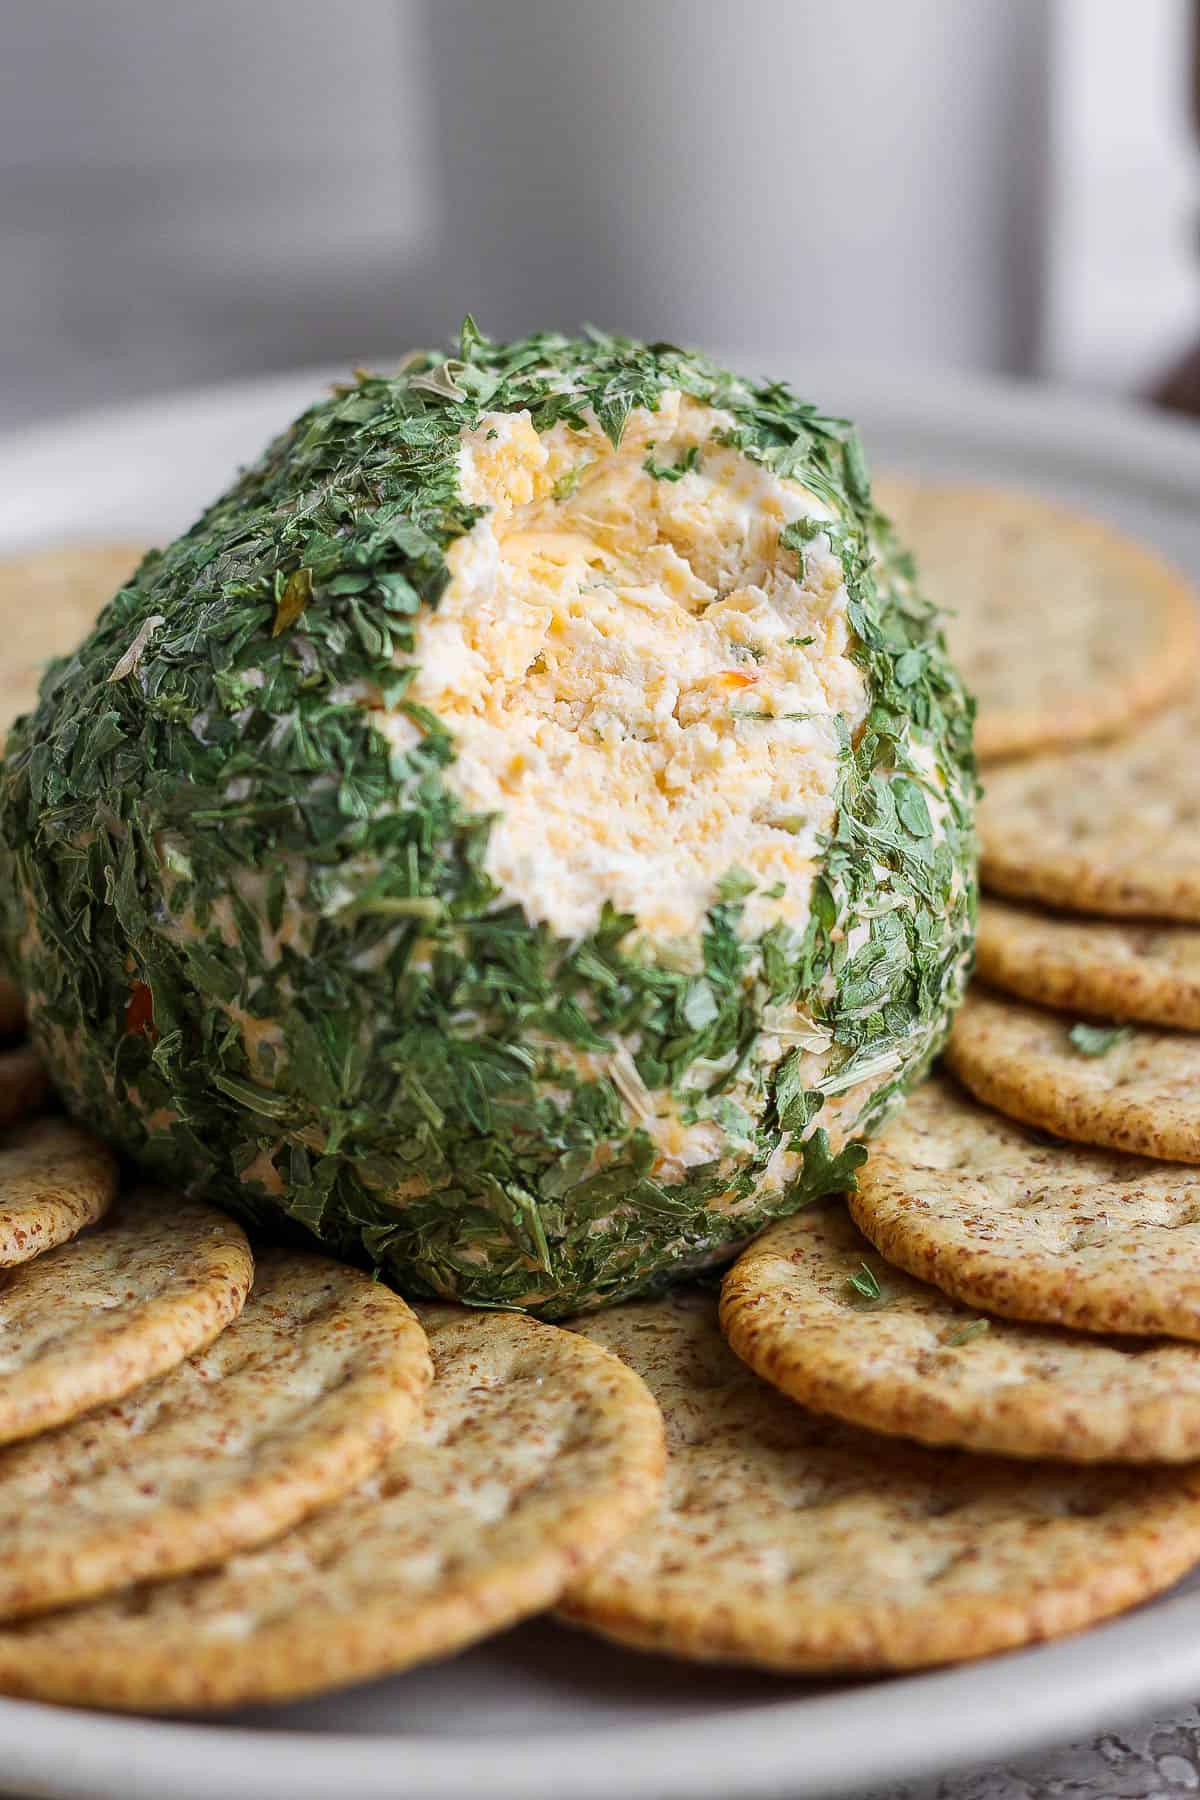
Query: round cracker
column 1110, row 830
column 49, row 600
column 1112, row 969
column 54, row 1179
column 1012, row 1222
column 320, row 1375
column 914, row 1363
column 117, row 1306
column 537, row 1453
column 798, row 1542
column 1063, row 628
column 1142, row 1094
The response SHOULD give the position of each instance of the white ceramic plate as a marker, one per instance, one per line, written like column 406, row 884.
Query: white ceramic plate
column 544, row 1712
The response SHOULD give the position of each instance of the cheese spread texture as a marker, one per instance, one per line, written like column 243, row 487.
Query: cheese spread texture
column 521, row 836
column 642, row 691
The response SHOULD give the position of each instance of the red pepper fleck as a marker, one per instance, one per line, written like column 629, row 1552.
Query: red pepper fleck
column 139, row 1013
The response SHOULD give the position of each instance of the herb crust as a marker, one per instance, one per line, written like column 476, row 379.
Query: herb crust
column 259, row 946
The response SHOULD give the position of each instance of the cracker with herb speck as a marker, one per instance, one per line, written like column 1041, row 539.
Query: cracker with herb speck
column 800, row 1543
column 536, row 1454
column 118, row 1305
column 922, row 1366
column 1011, row 1221
column 1131, row 1088
column 1110, row 969
column 295, row 1402
column 1064, row 629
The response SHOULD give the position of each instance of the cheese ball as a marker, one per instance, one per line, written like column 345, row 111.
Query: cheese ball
column 521, row 836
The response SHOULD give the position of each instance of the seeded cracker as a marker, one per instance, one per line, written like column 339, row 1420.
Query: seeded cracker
column 1116, row 970
column 1136, row 1090
column 54, row 1180
column 122, row 1303
column 911, row 1362
column 537, row 1453
column 1012, row 1222
column 1063, row 628
column 1110, row 830
column 796, row 1542
column 299, row 1399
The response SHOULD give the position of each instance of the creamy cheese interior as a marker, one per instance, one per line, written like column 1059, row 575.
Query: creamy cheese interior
column 640, row 689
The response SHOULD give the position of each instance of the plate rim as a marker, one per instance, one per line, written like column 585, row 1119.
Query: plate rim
column 1114, row 1671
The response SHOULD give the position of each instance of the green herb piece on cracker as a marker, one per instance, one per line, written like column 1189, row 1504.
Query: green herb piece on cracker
column 1128, row 1088
column 799, row 1543
column 1004, row 1219
column 923, row 1368
column 955, row 1336
column 863, row 1283
column 1096, row 1040
column 535, row 1455
column 118, row 1305
column 293, row 1404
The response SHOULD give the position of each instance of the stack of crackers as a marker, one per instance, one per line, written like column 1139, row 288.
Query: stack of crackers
column 959, row 1414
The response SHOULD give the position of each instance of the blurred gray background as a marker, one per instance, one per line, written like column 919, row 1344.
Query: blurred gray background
column 191, row 191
